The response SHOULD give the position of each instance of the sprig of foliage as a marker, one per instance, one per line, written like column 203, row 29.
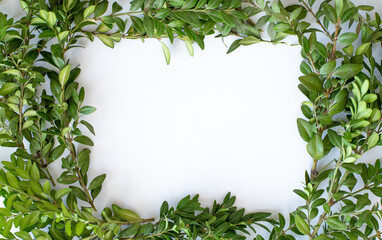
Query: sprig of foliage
column 342, row 111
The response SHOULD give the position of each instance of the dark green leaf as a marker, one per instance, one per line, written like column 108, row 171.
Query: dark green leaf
column 312, row 82
column 97, row 182
column 84, row 140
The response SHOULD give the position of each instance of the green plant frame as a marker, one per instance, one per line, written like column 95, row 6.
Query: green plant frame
column 342, row 111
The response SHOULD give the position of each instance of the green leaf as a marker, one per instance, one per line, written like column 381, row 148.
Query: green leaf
column 64, row 75
column 80, row 226
column 12, row 180
column 35, row 173
column 347, row 70
column 128, row 215
column 213, row 4
column 188, row 4
column 63, row 192
column 315, row 147
column 148, row 25
column 190, row 48
column 88, row 11
column 7, row 227
column 84, row 140
column 361, row 50
column 58, row 151
column 106, row 40
column 372, row 141
column 8, row 88
column 166, row 53
column 235, row 4
column 23, row 235
column 296, row 12
column 5, row 212
column 302, row 225
column 136, row 4
column 13, row 72
column 176, row 3
column 88, row 126
column 281, row 27
column 339, row 5
column 340, row 101
column 51, row 19
column 201, row 4
column 131, row 231
column 67, row 179
column 189, row 17
column 336, row 224
column 328, row 67
column 305, row 129
column 347, row 38
column 349, row 14
column 329, row 12
column 249, row 40
column 86, row 110
column 116, row 7
column 78, row 193
column 68, row 228
column 236, row 44
column 222, row 228
column 97, row 182
column 312, row 82
column 334, row 138
column 101, row 8
column 138, row 24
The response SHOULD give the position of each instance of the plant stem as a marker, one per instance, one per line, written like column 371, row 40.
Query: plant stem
column 333, row 55
column 78, row 173
column 317, row 20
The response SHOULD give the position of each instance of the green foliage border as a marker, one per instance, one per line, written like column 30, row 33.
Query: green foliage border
column 342, row 111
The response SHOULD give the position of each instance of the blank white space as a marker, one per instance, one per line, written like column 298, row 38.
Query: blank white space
column 209, row 124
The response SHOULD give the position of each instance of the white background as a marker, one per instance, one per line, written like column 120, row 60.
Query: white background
column 207, row 124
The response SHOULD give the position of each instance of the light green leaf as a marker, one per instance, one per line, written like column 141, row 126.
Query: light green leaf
column 12, row 180
column 190, row 48
column 166, row 53
column 372, row 141
column 88, row 11
column 106, row 40
column 63, row 77
column 249, row 40
column 363, row 49
column 63, row 192
column 8, row 88
column 35, row 173
column 128, row 215
column 302, row 225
